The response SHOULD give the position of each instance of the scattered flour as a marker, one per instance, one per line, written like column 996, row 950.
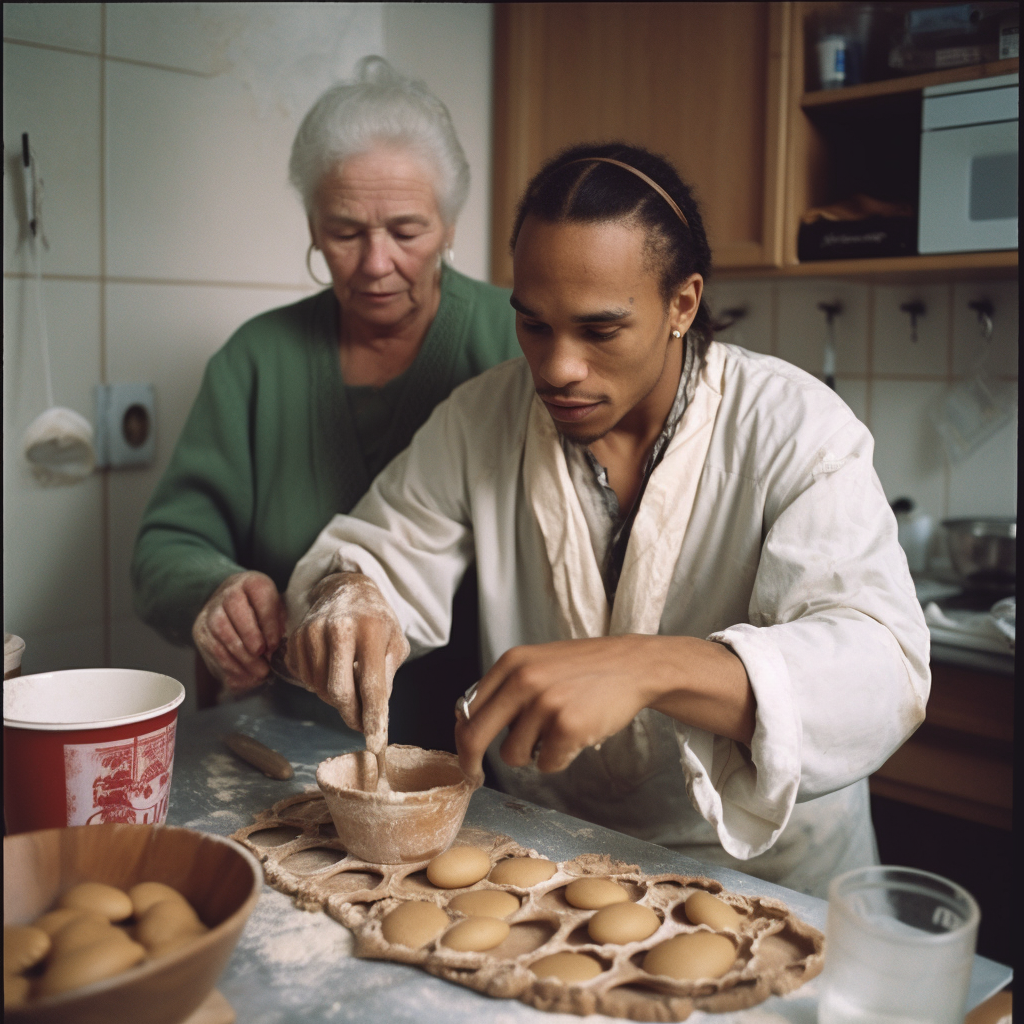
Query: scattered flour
column 576, row 833
column 224, row 776
column 306, row 944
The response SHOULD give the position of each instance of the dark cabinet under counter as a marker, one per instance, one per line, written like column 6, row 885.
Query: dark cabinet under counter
column 960, row 761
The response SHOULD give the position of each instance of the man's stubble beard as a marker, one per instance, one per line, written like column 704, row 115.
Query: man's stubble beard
column 587, row 440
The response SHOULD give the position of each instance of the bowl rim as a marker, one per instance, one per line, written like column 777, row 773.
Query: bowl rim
column 149, row 968
column 968, row 524
column 105, row 723
column 398, row 796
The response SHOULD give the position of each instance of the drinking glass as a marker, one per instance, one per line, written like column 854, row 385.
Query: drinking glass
column 899, row 946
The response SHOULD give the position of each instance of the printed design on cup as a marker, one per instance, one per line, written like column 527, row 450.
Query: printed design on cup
column 125, row 781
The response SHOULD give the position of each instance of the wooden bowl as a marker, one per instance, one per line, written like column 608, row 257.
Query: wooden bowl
column 220, row 878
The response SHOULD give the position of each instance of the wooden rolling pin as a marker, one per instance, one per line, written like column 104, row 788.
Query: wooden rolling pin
column 270, row 762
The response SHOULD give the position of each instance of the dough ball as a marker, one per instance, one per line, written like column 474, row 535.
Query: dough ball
column 414, row 924
column 15, row 990
column 458, row 867
column 703, row 908
column 522, row 871
column 82, row 931
column 168, row 920
column 24, row 947
column 567, row 967
column 90, row 963
column 623, row 922
column 691, row 957
column 145, row 894
column 594, row 893
column 52, row 922
column 112, row 903
column 485, row 903
column 476, row 934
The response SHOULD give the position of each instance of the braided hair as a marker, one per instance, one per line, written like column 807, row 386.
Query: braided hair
column 569, row 189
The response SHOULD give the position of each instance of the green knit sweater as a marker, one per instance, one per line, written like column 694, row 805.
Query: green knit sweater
column 276, row 443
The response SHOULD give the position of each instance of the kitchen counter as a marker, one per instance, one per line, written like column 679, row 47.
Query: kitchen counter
column 949, row 649
column 960, row 761
column 295, row 966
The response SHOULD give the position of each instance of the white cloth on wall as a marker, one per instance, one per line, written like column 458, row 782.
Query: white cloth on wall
column 790, row 557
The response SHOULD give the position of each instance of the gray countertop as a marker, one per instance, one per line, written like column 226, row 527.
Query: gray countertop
column 295, row 966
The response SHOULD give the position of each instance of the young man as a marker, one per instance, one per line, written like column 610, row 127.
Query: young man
column 697, row 624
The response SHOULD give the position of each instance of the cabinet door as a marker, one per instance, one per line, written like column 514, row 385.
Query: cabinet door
column 701, row 83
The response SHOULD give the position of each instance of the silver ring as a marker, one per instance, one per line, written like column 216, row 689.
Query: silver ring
column 463, row 703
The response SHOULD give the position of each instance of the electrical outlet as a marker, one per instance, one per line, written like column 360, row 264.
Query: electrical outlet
column 125, row 425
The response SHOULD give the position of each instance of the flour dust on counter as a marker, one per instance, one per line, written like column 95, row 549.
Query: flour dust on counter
column 291, row 952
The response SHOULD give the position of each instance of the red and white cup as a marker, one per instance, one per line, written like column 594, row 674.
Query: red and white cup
column 88, row 746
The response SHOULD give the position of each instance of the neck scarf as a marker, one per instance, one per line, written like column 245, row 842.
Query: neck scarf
column 658, row 529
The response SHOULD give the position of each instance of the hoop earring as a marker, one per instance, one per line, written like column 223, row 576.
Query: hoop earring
column 309, row 253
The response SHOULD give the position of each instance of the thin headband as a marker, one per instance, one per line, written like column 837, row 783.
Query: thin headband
column 640, row 174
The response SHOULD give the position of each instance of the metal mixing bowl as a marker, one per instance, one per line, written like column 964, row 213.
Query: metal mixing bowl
column 984, row 551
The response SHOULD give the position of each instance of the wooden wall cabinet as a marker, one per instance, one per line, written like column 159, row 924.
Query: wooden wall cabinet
column 864, row 138
column 702, row 83
column 719, row 88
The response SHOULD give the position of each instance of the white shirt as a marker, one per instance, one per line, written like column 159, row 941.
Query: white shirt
column 790, row 558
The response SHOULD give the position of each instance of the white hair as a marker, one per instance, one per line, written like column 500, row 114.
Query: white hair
column 379, row 107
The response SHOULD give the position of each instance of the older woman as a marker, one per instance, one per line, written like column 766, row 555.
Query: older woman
column 307, row 403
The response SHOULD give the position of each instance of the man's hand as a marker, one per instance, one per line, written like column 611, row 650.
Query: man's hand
column 347, row 650
column 572, row 694
column 238, row 629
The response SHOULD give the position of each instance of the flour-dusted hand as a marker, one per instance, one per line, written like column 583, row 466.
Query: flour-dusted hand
column 239, row 628
column 347, row 650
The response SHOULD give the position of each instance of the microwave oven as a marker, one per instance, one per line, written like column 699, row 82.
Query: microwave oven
column 968, row 197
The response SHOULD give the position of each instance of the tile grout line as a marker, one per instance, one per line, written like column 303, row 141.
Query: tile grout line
column 103, row 55
column 176, row 282
column 773, row 341
column 947, row 469
column 105, row 504
column 870, row 355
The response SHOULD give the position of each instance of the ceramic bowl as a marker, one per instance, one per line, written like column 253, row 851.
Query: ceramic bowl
column 218, row 876
column 418, row 818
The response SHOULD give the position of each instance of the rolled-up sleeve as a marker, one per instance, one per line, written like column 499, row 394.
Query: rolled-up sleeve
column 835, row 647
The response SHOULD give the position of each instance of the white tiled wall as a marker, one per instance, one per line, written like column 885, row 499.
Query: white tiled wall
column 891, row 381
column 162, row 133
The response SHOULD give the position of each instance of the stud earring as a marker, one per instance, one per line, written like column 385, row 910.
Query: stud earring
column 676, row 334
column 309, row 253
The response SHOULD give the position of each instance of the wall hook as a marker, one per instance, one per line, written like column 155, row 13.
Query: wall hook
column 33, row 191
column 831, row 311
column 731, row 315
column 914, row 309
column 986, row 313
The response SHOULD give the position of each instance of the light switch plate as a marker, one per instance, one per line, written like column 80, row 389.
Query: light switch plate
column 125, row 425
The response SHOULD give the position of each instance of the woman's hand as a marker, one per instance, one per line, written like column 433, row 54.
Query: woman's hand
column 238, row 629
column 347, row 650
column 558, row 698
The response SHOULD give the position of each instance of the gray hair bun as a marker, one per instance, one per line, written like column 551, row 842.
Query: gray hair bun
column 380, row 106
